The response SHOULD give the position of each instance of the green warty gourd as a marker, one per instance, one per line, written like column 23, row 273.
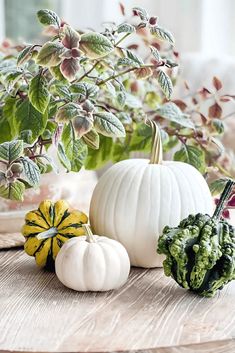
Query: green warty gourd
column 200, row 252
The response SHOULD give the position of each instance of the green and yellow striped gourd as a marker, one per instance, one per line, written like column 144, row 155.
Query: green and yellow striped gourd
column 48, row 228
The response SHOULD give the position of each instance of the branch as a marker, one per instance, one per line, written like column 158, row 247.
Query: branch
column 120, row 40
column 88, row 72
column 123, row 73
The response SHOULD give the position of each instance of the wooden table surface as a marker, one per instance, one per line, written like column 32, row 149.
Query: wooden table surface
column 150, row 313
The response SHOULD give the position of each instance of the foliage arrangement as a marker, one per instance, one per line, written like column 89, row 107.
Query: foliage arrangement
column 200, row 252
column 89, row 93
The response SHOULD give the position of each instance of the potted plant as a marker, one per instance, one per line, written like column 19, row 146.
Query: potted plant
column 88, row 94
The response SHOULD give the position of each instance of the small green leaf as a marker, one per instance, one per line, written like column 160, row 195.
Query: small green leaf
column 67, row 138
column 13, row 191
column 9, row 151
column 92, row 139
column 125, row 28
column 121, row 98
column 98, row 158
column 162, row 34
column 121, row 151
column 141, row 138
column 95, row 45
column 108, row 125
column 85, row 89
column 9, row 113
column 165, row 84
column 71, row 152
column 62, row 91
column 31, row 172
column 64, row 160
column 217, row 186
column 12, row 78
column 49, row 165
column 5, row 128
column 25, row 55
column 38, row 93
column 172, row 112
column 67, row 112
column 136, row 59
column 48, row 17
column 29, row 118
column 191, row 155
column 171, row 143
column 125, row 118
column 218, row 126
column 141, row 12
column 155, row 53
column 49, row 54
column 79, row 155
column 55, row 71
column 127, row 62
column 26, row 136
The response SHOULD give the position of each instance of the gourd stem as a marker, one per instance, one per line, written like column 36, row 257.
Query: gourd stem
column 89, row 235
column 224, row 199
column 50, row 233
column 156, row 150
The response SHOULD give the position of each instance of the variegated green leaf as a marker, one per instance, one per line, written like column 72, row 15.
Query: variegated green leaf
column 191, row 155
column 95, row 45
column 79, row 155
column 165, row 84
column 64, row 160
column 30, row 120
column 38, row 93
column 9, row 151
column 85, row 89
column 162, row 34
column 108, row 125
column 67, row 112
column 24, row 55
column 92, row 139
column 172, row 112
column 49, row 55
column 31, row 172
column 48, row 17
column 125, row 28
column 141, row 12
column 13, row 191
column 155, row 53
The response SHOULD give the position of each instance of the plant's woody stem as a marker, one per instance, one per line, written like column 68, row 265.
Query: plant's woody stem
column 225, row 196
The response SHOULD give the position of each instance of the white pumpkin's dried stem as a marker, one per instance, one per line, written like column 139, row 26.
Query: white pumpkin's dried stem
column 156, row 150
column 89, row 235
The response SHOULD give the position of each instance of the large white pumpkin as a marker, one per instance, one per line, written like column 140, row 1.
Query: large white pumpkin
column 136, row 198
column 92, row 263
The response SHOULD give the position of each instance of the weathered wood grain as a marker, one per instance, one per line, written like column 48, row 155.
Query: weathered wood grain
column 150, row 313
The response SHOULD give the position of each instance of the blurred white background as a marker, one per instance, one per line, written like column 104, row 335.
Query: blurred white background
column 204, row 29
column 205, row 26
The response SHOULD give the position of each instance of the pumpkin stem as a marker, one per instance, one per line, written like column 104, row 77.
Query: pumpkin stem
column 226, row 194
column 50, row 233
column 89, row 235
column 156, row 150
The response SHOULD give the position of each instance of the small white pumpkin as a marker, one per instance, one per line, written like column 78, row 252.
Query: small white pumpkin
column 136, row 198
column 92, row 263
